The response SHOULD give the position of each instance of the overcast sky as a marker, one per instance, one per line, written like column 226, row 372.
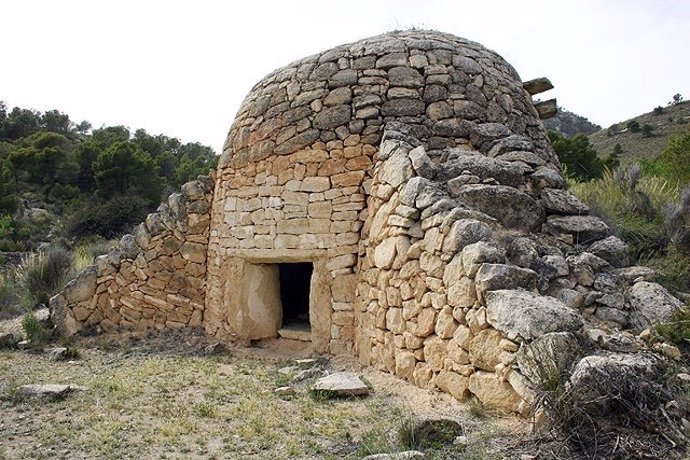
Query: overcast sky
column 183, row 68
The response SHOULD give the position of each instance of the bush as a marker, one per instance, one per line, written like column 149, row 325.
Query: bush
column 36, row 331
column 8, row 297
column 43, row 275
column 109, row 219
column 673, row 162
column 677, row 221
column 632, row 205
column 658, row 110
column 633, row 126
column 578, row 156
column 677, row 330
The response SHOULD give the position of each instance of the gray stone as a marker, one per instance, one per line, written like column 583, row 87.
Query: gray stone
column 346, row 77
column 58, row 354
column 9, row 339
column 559, row 201
column 547, row 356
column 404, row 455
column 583, row 229
column 485, row 168
column 453, row 127
column 83, row 287
column 49, row 392
column 407, row 77
column 613, row 250
column 631, row 274
column 396, row 170
column 402, row 107
column 527, row 315
column 651, row 304
column 129, row 247
column 338, row 96
column 332, row 117
column 465, row 232
column 513, row 208
column 341, row 384
column 421, row 163
column 545, row 176
column 297, row 142
column 491, row 277
column 62, row 317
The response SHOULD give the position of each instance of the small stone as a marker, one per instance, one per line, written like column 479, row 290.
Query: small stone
column 670, row 351
column 341, row 384
column 285, row 391
column 58, row 354
column 50, row 392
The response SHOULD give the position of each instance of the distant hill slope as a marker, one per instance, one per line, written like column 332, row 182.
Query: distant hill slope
column 569, row 123
column 672, row 121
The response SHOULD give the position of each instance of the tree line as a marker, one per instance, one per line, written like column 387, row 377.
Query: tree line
column 97, row 181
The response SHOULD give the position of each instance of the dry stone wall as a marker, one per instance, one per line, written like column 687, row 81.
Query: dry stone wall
column 155, row 277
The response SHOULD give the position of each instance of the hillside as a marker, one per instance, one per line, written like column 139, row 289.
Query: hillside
column 569, row 123
column 672, row 121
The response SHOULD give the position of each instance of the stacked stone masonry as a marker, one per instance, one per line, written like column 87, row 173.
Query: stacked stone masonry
column 412, row 172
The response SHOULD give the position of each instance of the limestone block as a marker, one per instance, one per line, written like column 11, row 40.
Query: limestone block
column 405, row 363
column 396, row 169
column 435, row 352
column 445, row 323
column 193, row 252
column 463, row 233
column 454, row 384
column 83, row 287
column 494, row 393
column 485, row 348
column 385, row 253
column 422, row 375
column 315, row 184
column 527, row 315
column 426, row 322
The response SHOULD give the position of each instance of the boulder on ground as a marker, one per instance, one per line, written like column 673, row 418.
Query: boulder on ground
column 341, row 384
column 49, row 391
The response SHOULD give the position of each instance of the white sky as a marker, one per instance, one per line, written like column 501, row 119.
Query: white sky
column 182, row 68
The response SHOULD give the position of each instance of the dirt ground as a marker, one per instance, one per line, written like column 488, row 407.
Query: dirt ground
column 161, row 395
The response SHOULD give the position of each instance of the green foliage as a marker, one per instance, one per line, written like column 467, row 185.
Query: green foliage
column 124, row 169
column 673, row 162
column 658, row 110
column 647, row 130
column 108, row 219
column 633, row 126
column 5, row 225
column 677, row 330
column 577, row 155
column 633, row 205
column 20, row 123
column 8, row 297
column 43, row 158
column 8, row 198
column 36, row 331
column 43, row 275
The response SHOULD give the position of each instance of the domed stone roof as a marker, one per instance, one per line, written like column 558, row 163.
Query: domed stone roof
column 448, row 89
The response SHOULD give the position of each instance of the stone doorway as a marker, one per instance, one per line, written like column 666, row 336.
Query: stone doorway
column 295, row 293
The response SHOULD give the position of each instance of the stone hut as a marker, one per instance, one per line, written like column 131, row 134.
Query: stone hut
column 397, row 199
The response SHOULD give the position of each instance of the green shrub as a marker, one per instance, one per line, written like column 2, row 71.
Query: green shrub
column 36, row 331
column 677, row 330
column 633, row 205
column 43, row 275
column 108, row 219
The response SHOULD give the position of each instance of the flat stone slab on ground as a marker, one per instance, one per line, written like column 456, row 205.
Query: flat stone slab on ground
column 342, row 384
column 408, row 454
column 51, row 391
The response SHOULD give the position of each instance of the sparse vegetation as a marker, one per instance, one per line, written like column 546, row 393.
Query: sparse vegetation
column 36, row 331
column 43, row 275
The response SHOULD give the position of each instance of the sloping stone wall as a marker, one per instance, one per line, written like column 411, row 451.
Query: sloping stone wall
column 156, row 277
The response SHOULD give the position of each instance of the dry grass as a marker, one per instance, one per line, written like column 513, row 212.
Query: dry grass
column 154, row 398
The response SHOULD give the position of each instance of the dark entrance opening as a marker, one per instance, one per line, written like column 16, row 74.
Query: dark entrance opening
column 295, row 281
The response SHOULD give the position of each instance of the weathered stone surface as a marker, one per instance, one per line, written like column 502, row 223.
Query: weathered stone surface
column 583, row 229
column 50, row 392
column 491, row 277
column 485, row 349
column 463, row 233
column 651, row 304
column 494, row 393
column 332, row 117
column 9, row 340
column 341, row 384
column 550, row 355
column 558, row 201
column 613, row 250
column 527, row 315
column 83, row 287
column 513, row 208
